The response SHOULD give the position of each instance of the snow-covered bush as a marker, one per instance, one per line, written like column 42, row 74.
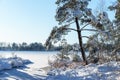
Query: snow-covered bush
column 9, row 63
column 75, row 58
column 66, row 56
column 56, row 62
column 63, row 55
column 16, row 62
column 52, row 60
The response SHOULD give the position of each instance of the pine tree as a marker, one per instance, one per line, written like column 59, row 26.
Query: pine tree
column 75, row 11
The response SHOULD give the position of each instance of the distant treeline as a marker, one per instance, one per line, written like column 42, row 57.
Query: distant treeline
column 25, row 47
column 36, row 47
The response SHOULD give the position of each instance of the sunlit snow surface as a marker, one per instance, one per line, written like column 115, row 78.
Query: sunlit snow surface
column 106, row 71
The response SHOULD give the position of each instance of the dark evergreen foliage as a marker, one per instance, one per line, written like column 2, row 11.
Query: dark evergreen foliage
column 26, row 47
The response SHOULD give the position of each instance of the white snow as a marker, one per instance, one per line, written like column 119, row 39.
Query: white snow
column 31, row 71
column 106, row 71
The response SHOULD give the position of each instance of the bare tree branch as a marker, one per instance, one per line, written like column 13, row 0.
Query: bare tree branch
column 89, row 30
column 71, row 29
column 84, row 26
column 86, row 37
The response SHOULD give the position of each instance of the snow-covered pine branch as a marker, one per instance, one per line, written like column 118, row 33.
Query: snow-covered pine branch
column 56, row 35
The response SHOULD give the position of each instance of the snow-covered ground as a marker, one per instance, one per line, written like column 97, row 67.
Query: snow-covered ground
column 107, row 71
column 31, row 71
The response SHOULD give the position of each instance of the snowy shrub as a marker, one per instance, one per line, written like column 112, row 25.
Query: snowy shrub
column 76, row 58
column 16, row 62
column 9, row 63
column 52, row 60
column 63, row 57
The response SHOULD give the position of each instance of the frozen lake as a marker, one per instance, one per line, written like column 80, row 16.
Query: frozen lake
column 24, row 53
column 31, row 71
column 39, row 58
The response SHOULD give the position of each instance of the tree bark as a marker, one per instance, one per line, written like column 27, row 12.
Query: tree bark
column 80, row 41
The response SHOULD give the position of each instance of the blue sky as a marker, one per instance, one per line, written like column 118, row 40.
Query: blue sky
column 29, row 20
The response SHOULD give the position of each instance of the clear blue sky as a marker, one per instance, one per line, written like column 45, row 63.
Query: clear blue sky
column 29, row 20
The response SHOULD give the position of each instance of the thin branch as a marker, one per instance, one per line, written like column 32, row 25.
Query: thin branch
column 84, row 26
column 71, row 23
column 86, row 37
column 82, row 29
column 72, row 29
column 89, row 30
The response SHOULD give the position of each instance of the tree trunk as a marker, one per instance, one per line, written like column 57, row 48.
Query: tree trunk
column 80, row 41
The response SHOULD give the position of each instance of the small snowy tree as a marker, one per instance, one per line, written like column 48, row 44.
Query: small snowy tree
column 65, row 50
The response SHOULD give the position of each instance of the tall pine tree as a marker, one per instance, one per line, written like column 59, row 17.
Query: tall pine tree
column 75, row 11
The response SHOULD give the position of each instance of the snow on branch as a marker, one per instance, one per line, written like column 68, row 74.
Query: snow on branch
column 56, row 35
column 69, row 9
